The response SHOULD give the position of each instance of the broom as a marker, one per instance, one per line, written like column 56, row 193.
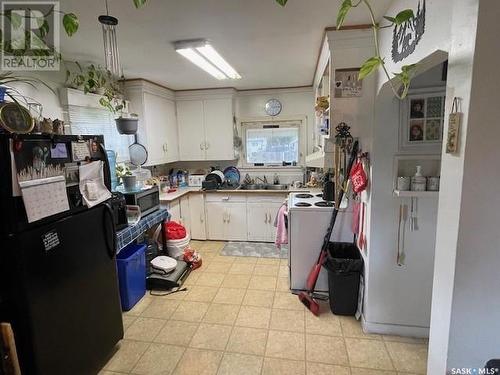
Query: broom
column 307, row 297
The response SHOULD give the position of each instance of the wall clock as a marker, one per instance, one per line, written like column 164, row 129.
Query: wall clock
column 273, row 107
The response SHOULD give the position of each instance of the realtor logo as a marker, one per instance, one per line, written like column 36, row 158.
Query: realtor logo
column 30, row 35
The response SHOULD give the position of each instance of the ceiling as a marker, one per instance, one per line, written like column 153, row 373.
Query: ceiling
column 268, row 45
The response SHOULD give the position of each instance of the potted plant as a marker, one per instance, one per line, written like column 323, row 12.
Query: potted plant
column 92, row 79
column 127, row 125
column 112, row 99
column 125, row 175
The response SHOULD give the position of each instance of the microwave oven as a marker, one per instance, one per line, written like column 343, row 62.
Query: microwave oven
column 147, row 200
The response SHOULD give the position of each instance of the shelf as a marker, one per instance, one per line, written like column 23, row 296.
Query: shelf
column 416, row 194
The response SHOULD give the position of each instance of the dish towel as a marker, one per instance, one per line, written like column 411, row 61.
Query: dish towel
column 279, row 223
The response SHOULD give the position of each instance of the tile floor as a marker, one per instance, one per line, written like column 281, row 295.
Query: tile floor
column 239, row 318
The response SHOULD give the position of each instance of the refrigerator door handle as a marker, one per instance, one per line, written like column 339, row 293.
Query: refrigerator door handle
column 108, row 213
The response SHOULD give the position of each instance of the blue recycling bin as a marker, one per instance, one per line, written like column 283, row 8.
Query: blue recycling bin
column 131, row 264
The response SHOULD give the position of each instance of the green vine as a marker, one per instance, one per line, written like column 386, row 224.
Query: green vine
column 377, row 61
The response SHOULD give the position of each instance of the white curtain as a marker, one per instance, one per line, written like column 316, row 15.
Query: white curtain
column 96, row 121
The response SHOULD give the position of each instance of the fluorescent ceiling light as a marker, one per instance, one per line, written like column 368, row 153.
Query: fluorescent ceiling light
column 201, row 62
column 202, row 54
column 213, row 56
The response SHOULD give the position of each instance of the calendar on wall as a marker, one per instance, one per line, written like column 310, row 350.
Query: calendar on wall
column 44, row 197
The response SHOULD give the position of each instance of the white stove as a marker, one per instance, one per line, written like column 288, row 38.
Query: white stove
column 308, row 219
column 309, row 200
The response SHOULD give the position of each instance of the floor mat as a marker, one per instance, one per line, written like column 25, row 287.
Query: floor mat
column 255, row 249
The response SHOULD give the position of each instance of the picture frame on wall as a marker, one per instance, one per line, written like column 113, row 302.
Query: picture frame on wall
column 422, row 121
column 347, row 83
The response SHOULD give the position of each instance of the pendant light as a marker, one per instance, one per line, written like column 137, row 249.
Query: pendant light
column 111, row 54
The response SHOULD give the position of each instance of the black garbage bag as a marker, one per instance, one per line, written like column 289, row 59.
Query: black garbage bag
column 344, row 265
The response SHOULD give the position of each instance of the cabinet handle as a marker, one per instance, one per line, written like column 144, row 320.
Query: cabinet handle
column 207, row 145
column 265, row 219
column 229, row 217
column 166, row 147
column 201, row 145
column 201, row 217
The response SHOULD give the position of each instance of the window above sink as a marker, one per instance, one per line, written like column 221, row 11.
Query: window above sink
column 272, row 144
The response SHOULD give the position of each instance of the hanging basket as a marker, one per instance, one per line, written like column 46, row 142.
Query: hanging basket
column 127, row 125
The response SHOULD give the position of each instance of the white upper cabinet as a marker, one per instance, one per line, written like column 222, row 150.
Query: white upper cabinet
column 155, row 106
column 219, row 144
column 191, row 130
column 205, row 123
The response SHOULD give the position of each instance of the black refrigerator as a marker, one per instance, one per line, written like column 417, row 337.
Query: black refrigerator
column 58, row 281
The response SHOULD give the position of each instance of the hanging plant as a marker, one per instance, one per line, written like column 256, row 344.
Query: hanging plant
column 92, row 79
column 377, row 61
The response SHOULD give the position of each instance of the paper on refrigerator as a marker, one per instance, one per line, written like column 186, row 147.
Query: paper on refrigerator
column 44, row 197
column 92, row 186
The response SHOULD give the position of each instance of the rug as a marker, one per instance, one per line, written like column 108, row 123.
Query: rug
column 255, row 249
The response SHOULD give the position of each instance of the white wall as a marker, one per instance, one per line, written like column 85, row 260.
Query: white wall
column 49, row 99
column 466, row 307
column 398, row 299
column 297, row 103
column 436, row 36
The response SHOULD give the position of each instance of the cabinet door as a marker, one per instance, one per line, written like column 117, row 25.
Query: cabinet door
column 185, row 212
column 258, row 222
column 174, row 209
column 218, row 114
column 191, row 130
column 236, row 222
column 156, row 120
column 216, row 220
column 172, row 141
column 197, row 216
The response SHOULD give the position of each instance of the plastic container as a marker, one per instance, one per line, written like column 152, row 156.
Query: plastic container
column 344, row 265
column 175, row 248
column 131, row 264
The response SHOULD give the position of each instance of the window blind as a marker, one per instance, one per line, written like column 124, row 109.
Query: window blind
column 96, row 121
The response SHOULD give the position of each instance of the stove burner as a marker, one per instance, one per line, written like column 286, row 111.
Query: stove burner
column 319, row 195
column 304, row 196
column 323, row 204
column 303, row 204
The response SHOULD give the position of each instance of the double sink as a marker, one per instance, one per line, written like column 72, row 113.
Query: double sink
column 263, row 187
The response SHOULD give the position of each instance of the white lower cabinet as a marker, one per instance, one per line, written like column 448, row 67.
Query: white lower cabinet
column 174, row 209
column 197, row 216
column 236, row 222
column 184, row 203
column 216, row 220
column 260, row 218
column 258, row 222
column 226, row 221
column 228, row 217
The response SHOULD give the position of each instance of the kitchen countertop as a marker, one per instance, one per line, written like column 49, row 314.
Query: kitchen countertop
column 170, row 197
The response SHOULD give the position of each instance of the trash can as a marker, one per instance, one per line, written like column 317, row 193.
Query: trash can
column 344, row 265
column 131, row 264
